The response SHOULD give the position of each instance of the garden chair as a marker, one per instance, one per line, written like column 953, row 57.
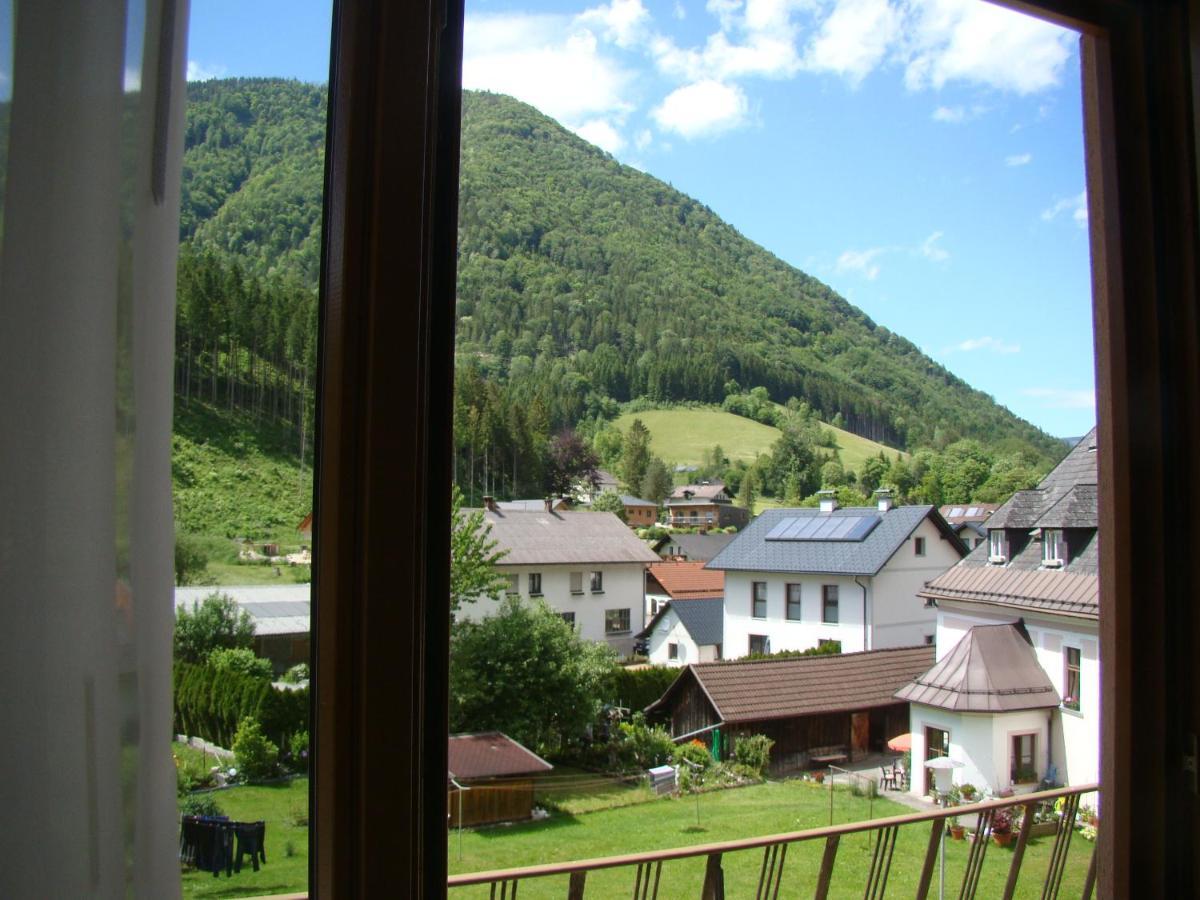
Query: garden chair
column 887, row 778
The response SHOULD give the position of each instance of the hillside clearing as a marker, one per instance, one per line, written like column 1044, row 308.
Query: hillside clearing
column 681, row 436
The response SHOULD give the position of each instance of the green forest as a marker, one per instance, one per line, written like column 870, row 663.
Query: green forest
column 586, row 289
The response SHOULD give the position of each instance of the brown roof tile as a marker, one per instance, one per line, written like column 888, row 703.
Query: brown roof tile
column 1069, row 593
column 756, row 690
column 688, row 580
column 491, row 754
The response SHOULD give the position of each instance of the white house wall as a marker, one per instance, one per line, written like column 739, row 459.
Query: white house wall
column 624, row 588
column 982, row 742
column 1075, row 735
column 899, row 617
column 671, row 631
column 783, row 633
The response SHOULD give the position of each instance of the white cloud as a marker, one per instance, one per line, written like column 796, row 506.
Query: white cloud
column 1062, row 398
column 680, row 12
column 862, row 261
column 547, row 61
column 601, row 133
column 854, row 38
column 951, row 114
column 642, row 139
column 702, row 108
column 995, row 345
column 965, row 40
column 931, row 251
column 1076, row 206
column 624, row 22
column 1018, row 159
column 198, row 71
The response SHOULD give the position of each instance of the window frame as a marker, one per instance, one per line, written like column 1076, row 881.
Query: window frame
column 829, row 595
column 624, row 624
column 997, row 544
column 797, row 601
column 535, row 584
column 673, row 650
column 514, row 584
column 568, row 616
column 765, row 641
column 1053, row 537
column 1072, row 669
column 576, row 583
column 919, row 546
column 596, row 581
column 755, row 599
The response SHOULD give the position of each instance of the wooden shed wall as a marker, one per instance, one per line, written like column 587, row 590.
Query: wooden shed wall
column 691, row 710
column 492, row 801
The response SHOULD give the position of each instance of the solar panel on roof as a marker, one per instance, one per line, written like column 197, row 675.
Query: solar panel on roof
column 973, row 511
column 956, row 512
column 823, row 528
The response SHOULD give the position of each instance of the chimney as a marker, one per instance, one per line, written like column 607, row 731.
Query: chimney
column 549, row 504
column 489, row 502
column 884, row 498
column 828, row 501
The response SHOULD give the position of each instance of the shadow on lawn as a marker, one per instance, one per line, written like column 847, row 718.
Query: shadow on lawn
column 557, row 820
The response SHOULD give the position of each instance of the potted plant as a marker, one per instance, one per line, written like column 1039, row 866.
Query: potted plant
column 1025, row 780
column 968, row 791
column 957, row 831
column 1002, row 825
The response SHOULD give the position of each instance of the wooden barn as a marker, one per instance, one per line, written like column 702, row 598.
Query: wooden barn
column 491, row 779
column 817, row 709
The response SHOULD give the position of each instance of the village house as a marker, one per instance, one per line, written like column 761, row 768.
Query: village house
column 680, row 580
column 491, row 779
column 798, row 578
column 817, row 709
column 704, row 505
column 1039, row 569
column 685, row 607
column 697, row 547
column 639, row 513
column 587, row 566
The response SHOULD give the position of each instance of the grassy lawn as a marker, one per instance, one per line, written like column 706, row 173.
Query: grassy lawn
column 573, row 791
column 726, row 815
column 232, row 573
column 681, row 436
column 284, row 807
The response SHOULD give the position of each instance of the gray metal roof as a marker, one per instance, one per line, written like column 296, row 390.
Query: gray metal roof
column 993, row 668
column 542, row 538
column 630, row 500
column 531, row 505
column 704, row 619
column 275, row 608
column 750, row 550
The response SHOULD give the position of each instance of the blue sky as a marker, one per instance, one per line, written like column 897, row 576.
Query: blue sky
column 923, row 157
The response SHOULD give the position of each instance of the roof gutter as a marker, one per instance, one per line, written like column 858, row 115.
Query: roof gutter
column 865, row 629
column 697, row 732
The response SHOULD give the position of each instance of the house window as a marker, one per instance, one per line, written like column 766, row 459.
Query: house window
column 996, row 546
column 1022, row 769
column 569, row 618
column 919, row 546
column 718, row 651
column 1053, row 547
column 759, row 610
column 672, row 651
column 829, row 604
column 793, row 602
column 1071, row 683
column 514, row 585
column 760, row 643
column 597, row 582
column 616, row 621
column 535, row 584
column 928, row 639
column 829, row 645
column 576, row 582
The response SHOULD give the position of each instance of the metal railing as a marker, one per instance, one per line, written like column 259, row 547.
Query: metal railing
column 646, row 874
column 691, row 520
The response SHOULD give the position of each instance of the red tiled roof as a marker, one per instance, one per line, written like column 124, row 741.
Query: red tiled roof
column 1069, row 593
column 757, row 690
column 689, row 580
column 491, row 754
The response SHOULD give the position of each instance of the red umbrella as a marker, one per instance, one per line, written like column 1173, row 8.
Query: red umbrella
column 901, row 743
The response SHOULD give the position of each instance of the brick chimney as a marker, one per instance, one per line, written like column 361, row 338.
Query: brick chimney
column 828, row 500
column 489, row 503
column 883, row 497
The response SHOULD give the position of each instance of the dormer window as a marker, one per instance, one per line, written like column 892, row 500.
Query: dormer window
column 1054, row 548
column 997, row 547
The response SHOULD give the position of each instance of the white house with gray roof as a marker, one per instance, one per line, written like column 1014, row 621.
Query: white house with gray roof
column 587, row 566
column 796, row 578
column 686, row 631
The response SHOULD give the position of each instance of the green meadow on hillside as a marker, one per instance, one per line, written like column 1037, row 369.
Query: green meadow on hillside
column 681, row 436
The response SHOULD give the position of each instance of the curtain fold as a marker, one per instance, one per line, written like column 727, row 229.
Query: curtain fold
column 87, row 295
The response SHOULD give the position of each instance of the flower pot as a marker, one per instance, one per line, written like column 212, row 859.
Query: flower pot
column 1043, row 829
column 1002, row 840
column 958, row 832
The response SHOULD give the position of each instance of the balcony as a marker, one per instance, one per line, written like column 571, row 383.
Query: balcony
column 690, row 521
column 700, row 869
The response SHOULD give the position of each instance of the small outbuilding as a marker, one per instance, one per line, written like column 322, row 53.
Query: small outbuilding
column 817, row 709
column 491, row 779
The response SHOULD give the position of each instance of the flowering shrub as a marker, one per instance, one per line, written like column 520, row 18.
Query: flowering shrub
column 1002, row 822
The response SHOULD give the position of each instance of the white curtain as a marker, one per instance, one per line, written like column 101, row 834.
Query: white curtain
column 87, row 304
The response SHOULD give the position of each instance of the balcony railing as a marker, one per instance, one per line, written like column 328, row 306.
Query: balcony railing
column 646, row 869
column 692, row 520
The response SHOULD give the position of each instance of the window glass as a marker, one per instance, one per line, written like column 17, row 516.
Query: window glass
column 793, row 602
column 535, row 583
column 1023, row 765
column 759, row 600
column 569, row 618
column 1071, row 680
column 996, row 543
column 760, row 643
column 597, row 582
column 1052, row 546
column 616, row 621
column 672, row 651
column 919, row 546
column 829, row 604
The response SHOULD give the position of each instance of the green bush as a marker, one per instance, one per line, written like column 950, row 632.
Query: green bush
column 754, row 752
column 257, row 756
column 200, row 805
column 241, row 661
column 640, row 746
column 210, row 704
column 636, row 689
column 297, row 674
column 298, row 751
column 215, row 622
column 694, row 752
column 190, row 774
column 191, row 559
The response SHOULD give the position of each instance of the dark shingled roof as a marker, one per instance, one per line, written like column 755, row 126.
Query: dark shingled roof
column 630, row 500
column 757, row 690
column 1025, row 508
column 491, row 754
column 541, row 538
column 704, row 619
column 993, row 668
column 751, row 552
column 702, row 547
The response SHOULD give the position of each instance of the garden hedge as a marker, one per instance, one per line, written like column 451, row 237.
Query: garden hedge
column 638, row 688
column 210, row 703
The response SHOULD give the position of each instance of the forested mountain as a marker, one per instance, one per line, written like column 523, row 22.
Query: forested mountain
column 582, row 284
